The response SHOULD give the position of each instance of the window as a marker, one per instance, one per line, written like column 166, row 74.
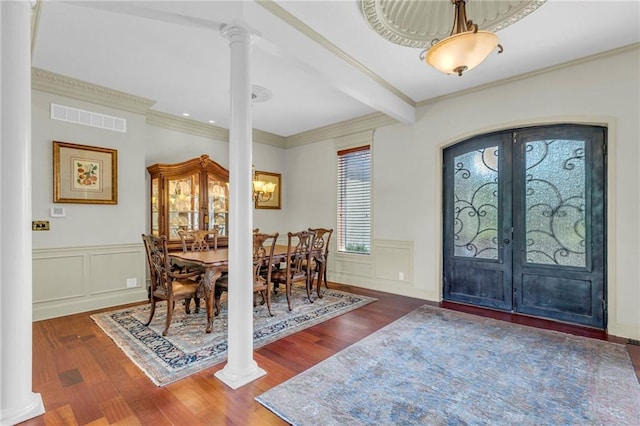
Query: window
column 354, row 200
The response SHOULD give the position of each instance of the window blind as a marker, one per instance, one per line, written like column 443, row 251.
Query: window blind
column 354, row 200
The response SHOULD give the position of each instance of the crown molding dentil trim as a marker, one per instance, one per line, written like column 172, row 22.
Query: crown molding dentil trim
column 344, row 128
column 51, row 82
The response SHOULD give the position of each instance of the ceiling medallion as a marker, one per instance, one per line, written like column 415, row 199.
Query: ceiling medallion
column 421, row 24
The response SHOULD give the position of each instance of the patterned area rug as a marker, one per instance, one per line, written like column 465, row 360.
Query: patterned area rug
column 187, row 349
column 440, row 367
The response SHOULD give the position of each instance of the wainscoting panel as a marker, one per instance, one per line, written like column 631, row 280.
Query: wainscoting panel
column 353, row 264
column 56, row 283
column 394, row 260
column 389, row 267
column 111, row 270
column 80, row 279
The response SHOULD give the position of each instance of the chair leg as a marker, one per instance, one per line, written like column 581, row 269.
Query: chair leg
column 267, row 295
column 187, row 304
column 216, row 301
column 153, row 311
column 321, row 272
column 308, row 285
column 288, row 291
column 170, row 306
column 325, row 275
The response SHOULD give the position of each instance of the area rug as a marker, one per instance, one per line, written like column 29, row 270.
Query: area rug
column 440, row 367
column 187, row 349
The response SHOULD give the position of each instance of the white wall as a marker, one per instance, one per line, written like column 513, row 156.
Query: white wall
column 87, row 224
column 84, row 260
column 407, row 173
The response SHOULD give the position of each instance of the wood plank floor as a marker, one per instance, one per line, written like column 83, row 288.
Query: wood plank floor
column 85, row 379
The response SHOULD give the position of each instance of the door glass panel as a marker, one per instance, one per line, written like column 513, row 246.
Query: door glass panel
column 555, row 202
column 476, row 204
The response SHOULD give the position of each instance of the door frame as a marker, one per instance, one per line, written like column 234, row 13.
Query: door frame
column 612, row 326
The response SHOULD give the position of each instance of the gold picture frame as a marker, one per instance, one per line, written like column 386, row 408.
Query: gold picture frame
column 274, row 202
column 84, row 174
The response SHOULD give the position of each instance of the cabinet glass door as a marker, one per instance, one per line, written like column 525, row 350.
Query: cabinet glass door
column 183, row 196
column 217, row 205
column 155, row 207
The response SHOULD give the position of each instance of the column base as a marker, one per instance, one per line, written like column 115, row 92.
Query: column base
column 238, row 379
column 15, row 415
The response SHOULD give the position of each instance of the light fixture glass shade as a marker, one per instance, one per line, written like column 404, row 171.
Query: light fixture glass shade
column 258, row 186
column 461, row 52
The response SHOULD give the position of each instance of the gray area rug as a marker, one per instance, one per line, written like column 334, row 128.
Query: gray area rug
column 441, row 367
column 187, row 349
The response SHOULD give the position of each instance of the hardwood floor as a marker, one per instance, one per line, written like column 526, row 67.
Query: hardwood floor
column 84, row 378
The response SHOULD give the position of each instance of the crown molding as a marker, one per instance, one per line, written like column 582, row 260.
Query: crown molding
column 185, row 125
column 294, row 22
column 267, row 138
column 344, row 128
column 196, row 128
column 47, row 81
column 579, row 61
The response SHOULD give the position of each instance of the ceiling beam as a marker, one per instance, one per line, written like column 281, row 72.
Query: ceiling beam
column 305, row 48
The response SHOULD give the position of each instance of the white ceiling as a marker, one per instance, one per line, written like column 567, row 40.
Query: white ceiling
column 172, row 52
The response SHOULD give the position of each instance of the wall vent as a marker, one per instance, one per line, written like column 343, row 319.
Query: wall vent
column 88, row 118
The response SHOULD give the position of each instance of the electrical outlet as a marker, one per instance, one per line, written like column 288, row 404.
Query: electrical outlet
column 132, row 282
column 401, row 276
column 40, row 225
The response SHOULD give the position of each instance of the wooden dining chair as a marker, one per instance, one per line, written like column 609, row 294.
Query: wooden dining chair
column 322, row 238
column 166, row 285
column 263, row 249
column 298, row 255
column 196, row 240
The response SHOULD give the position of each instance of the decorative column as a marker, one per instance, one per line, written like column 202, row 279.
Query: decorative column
column 17, row 401
column 241, row 367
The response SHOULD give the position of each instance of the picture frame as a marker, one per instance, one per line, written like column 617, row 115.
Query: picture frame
column 274, row 202
column 84, row 174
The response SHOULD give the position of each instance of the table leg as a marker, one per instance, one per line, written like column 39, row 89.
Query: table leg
column 209, row 284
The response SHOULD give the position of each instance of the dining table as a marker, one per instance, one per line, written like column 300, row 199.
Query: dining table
column 214, row 263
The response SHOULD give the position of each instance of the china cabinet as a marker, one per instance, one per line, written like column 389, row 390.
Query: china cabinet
column 192, row 195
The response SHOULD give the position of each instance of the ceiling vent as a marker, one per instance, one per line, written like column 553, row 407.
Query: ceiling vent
column 88, row 118
column 259, row 94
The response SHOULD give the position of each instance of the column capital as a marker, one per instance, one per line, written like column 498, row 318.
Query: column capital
column 239, row 28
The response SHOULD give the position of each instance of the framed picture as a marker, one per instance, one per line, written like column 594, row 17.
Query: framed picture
column 274, row 201
column 84, row 174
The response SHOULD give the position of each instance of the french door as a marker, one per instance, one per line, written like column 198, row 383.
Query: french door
column 524, row 222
